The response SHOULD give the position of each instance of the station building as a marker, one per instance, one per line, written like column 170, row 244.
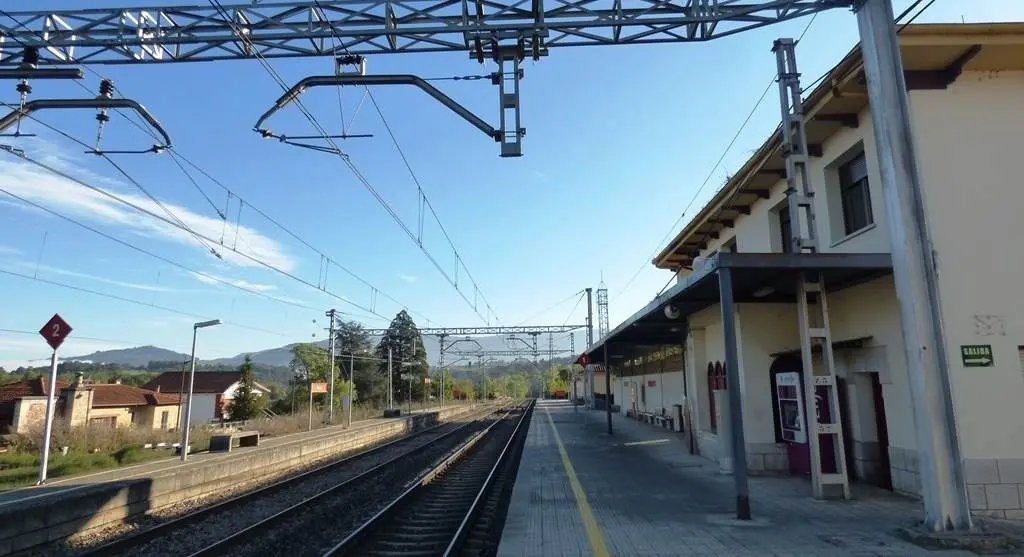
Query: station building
column 965, row 84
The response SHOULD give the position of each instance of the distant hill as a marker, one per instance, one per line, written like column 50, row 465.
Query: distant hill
column 282, row 355
column 138, row 357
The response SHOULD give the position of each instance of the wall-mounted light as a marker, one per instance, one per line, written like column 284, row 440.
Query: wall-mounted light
column 764, row 291
column 672, row 312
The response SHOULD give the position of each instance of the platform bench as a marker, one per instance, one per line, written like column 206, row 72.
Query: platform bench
column 223, row 442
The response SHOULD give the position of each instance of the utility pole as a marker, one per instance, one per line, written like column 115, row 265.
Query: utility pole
column 351, row 385
column 589, row 375
column 330, row 397
column 913, row 261
column 391, row 391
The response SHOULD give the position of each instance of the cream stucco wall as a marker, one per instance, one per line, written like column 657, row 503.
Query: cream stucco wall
column 759, row 231
column 29, row 414
column 150, row 416
column 969, row 140
column 122, row 414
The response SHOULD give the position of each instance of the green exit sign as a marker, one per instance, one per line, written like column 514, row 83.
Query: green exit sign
column 976, row 355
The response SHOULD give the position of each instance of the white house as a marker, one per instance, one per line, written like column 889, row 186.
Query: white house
column 212, row 391
column 965, row 84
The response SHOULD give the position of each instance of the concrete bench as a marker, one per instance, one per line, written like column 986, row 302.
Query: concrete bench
column 223, row 442
column 663, row 421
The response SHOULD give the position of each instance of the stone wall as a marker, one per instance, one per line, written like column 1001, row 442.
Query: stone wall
column 762, row 458
column 767, row 458
column 995, row 487
column 906, row 476
column 867, row 461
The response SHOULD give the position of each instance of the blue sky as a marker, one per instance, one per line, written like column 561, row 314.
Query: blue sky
column 619, row 141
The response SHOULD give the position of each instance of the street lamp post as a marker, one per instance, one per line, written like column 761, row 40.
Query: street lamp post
column 191, row 383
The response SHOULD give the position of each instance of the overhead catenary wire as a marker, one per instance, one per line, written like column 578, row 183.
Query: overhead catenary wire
column 575, row 307
column 176, row 155
column 136, row 302
column 896, row 21
column 710, row 174
column 76, row 336
column 351, row 165
column 174, row 224
column 155, row 255
column 419, row 187
column 181, row 225
column 550, row 307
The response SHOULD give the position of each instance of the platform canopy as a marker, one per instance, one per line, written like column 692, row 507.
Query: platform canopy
column 756, row 277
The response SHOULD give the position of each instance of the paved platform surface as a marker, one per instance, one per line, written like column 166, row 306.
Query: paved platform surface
column 639, row 493
column 64, row 485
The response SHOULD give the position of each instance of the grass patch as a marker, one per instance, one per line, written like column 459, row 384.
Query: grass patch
column 19, row 469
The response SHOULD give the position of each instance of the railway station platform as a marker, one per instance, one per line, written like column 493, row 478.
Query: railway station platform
column 639, row 492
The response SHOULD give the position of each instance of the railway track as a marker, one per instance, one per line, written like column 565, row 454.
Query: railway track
column 217, row 529
column 457, row 508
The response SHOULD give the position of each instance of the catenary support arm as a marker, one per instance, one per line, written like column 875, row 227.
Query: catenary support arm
column 101, row 103
column 335, row 80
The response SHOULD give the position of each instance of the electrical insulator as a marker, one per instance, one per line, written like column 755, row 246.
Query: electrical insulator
column 106, row 88
column 30, row 57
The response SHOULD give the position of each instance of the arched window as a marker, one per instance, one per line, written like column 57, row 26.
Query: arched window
column 716, row 381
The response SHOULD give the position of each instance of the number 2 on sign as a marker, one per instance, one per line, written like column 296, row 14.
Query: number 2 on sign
column 56, row 330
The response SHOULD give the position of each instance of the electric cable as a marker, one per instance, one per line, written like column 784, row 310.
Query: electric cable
column 172, row 223
column 184, row 227
column 348, row 161
column 549, row 308
column 134, row 301
column 155, row 255
column 574, row 308
column 710, row 174
column 175, row 154
column 734, row 194
column 76, row 337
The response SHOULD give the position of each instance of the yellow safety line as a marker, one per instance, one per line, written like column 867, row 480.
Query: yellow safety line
column 597, row 545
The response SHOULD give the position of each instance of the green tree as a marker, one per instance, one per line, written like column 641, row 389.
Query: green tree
column 247, row 403
column 408, row 355
column 353, row 350
column 518, row 386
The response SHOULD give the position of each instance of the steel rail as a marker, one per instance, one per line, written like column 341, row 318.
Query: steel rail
column 135, row 540
column 474, row 510
column 221, row 546
column 361, row 534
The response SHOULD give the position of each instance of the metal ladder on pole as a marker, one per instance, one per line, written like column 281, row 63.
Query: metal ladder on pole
column 824, row 423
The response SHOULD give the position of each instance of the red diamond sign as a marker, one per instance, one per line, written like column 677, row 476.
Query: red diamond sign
column 55, row 331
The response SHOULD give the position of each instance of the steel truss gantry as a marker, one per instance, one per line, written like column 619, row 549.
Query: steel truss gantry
column 505, row 31
column 155, row 34
column 505, row 353
column 471, row 331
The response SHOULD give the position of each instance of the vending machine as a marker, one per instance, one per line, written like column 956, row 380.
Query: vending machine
column 789, row 393
column 791, row 407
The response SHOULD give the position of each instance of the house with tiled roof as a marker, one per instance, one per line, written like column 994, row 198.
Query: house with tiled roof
column 23, row 405
column 212, row 391
column 24, row 402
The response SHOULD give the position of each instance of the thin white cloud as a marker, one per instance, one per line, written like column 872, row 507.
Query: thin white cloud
column 408, row 278
column 36, row 184
column 210, row 278
column 541, row 176
column 8, row 250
